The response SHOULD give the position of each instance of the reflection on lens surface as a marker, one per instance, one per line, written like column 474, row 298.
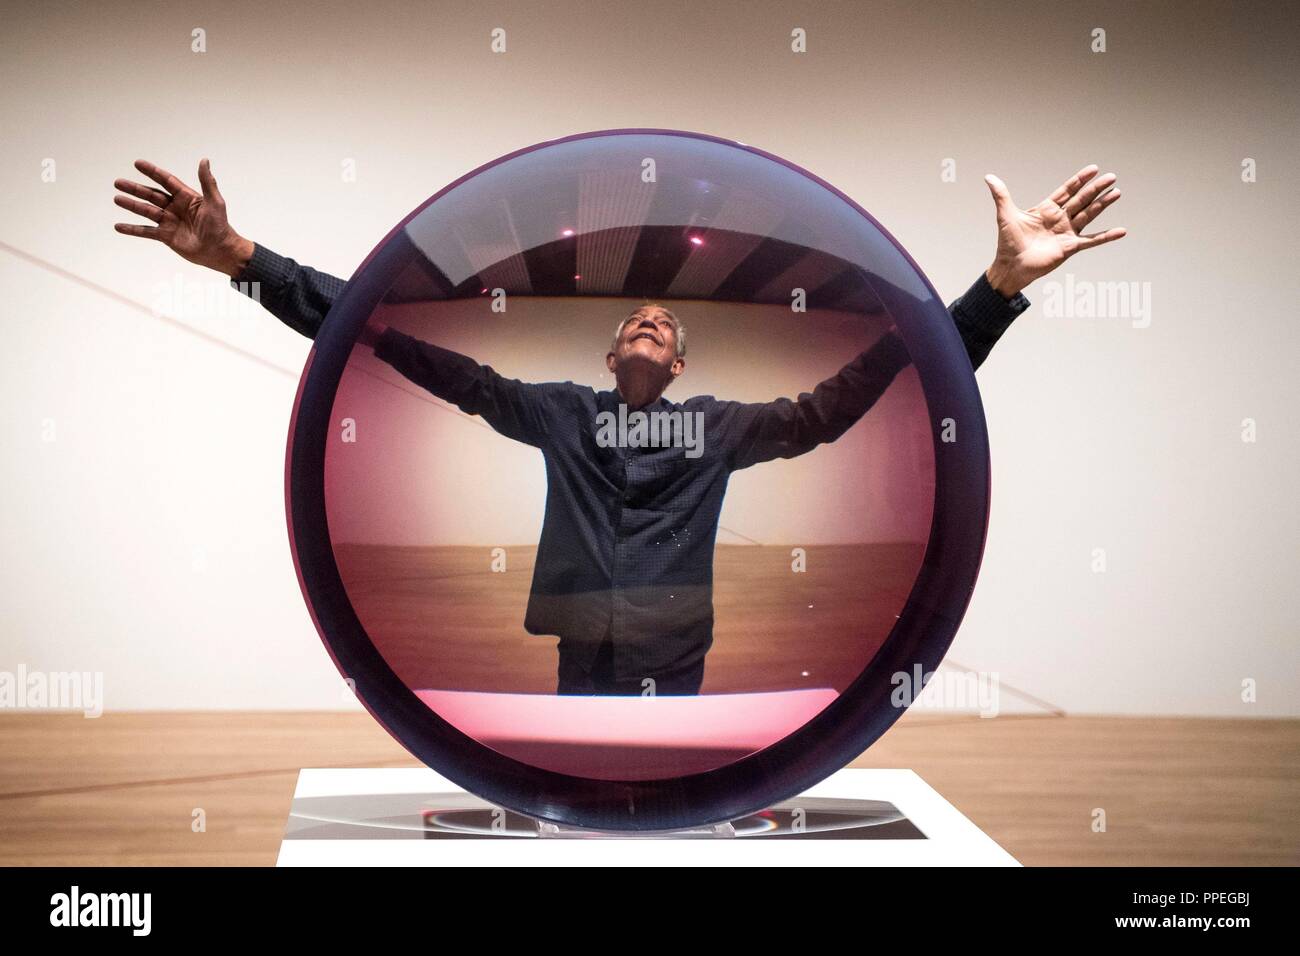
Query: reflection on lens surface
column 629, row 474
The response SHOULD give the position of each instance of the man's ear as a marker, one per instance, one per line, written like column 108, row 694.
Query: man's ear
column 679, row 366
column 609, row 361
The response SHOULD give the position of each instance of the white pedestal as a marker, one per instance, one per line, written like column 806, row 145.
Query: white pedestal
column 414, row 817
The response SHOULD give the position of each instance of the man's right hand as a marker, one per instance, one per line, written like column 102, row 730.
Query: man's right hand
column 191, row 224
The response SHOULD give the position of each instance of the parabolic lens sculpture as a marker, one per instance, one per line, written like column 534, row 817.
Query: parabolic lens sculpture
column 461, row 516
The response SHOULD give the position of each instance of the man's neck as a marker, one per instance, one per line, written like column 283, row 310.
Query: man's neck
column 637, row 392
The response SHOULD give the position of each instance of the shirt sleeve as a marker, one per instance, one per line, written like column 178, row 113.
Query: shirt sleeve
column 298, row 296
column 519, row 410
column 981, row 315
column 784, row 428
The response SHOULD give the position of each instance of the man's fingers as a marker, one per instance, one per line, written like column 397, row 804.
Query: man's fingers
column 130, row 229
column 147, row 193
column 1001, row 195
column 163, row 178
column 1081, row 219
column 148, row 210
column 1088, row 193
column 1097, row 238
column 209, row 182
column 1072, row 185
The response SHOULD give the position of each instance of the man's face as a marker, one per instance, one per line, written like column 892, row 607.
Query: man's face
column 648, row 335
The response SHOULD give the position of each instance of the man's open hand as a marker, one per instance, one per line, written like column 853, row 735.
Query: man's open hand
column 193, row 225
column 1032, row 242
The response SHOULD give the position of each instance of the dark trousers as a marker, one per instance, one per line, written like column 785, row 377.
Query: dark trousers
column 574, row 678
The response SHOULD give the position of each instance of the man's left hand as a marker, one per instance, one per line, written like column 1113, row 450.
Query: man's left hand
column 1032, row 242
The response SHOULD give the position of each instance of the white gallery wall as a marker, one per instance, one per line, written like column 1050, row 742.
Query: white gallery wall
column 1141, row 555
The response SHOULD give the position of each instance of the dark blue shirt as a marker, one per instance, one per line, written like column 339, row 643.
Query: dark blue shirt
column 628, row 533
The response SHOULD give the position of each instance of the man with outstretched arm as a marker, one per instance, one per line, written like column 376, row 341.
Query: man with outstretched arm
column 635, row 482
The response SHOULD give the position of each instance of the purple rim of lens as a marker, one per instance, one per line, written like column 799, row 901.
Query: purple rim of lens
column 837, row 735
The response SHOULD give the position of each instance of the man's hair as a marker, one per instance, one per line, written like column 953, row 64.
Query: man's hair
column 679, row 330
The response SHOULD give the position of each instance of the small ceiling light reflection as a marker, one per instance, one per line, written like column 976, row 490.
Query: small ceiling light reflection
column 696, row 240
column 567, row 232
column 577, row 277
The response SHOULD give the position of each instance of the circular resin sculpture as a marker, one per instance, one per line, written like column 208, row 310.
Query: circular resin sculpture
column 627, row 615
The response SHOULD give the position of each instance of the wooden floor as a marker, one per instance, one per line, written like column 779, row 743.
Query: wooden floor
column 123, row 789
column 443, row 619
